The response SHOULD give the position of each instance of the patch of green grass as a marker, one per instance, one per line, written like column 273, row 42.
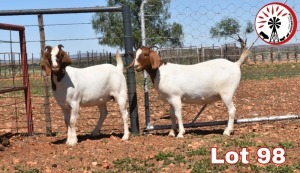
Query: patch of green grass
column 270, row 71
column 279, row 169
column 239, row 143
column 204, row 165
column 201, row 151
column 18, row 169
column 248, row 135
column 169, row 158
column 217, row 139
column 133, row 165
column 286, row 145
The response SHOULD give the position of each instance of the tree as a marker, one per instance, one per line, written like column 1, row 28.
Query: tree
column 158, row 30
column 230, row 28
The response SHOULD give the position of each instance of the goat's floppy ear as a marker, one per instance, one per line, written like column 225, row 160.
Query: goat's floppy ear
column 154, row 59
column 45, row 64
column 66, row 60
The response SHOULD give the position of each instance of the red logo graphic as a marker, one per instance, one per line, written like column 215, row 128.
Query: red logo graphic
column 276, row 23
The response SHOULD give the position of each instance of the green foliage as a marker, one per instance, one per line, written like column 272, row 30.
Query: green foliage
column 227, row 27
column 110, row 25
column 231, row 28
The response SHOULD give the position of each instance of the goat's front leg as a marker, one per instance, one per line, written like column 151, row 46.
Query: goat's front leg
column 172, row 115
column 176, row 104
column 67, row 113
column 72, row 138
column 103, row 114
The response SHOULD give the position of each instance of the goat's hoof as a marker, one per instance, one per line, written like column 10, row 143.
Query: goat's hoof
column 179, row 136
column 171, row 133
column 227, row 132
column 71, row 142
column 125, row 138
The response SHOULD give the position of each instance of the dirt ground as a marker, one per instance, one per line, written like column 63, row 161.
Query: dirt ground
column 157, row 152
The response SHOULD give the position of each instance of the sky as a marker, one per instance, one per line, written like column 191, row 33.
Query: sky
column 52, row 32
column 196, row 17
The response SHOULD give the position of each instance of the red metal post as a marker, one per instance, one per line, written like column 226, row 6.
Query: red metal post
column 26, row 81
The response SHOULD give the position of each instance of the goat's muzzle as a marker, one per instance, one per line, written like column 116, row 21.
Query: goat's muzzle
column 55, row 70
column 131, row 64
column 138, row 68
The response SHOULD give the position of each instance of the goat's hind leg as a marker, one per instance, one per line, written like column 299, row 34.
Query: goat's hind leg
column 122, row 106
column 103, row 114
column 176, row 104
column 67, row 113
column 231, row 114
column 173, row 119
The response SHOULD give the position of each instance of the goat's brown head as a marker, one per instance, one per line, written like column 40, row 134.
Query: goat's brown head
column 55, row 60
column 146, row 59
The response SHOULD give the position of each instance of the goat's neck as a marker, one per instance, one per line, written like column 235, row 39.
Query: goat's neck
column 59, row 76
column 152, row 73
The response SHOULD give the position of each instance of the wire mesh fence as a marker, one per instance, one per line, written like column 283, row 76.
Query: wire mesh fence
column 265, row 66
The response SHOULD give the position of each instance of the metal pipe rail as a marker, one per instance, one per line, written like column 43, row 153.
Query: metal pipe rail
column 237, row 121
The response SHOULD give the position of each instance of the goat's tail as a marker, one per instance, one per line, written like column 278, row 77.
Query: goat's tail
column 120, row 64
column 243, row 56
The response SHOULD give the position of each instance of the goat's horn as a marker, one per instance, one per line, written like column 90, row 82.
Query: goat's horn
column 48, row 47
column 60, row 46
column 154, row 47
column 131, row 64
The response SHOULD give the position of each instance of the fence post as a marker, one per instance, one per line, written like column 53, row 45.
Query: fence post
column 254, row 55
column 5, row 67
column 202, row 54
column 131, row 83
column 295, row 54
column 198, row 55
column 32, row 65
column 0, row 68
column 271, row 55
column 288, row 54
column 110, row 58
column 45, row 78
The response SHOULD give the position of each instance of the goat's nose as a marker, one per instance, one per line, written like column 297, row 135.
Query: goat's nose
column 55, row 66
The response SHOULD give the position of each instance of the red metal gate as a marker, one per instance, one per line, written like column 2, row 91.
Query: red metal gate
column 26, row 85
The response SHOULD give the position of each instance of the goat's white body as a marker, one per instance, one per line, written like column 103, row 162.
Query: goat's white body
column 199, row 83
column 91, row 86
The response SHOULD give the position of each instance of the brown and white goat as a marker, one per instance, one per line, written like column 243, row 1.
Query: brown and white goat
column 200, row 83
column 90, row 86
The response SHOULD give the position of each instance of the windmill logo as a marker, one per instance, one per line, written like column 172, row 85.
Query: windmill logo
column 276, row 23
